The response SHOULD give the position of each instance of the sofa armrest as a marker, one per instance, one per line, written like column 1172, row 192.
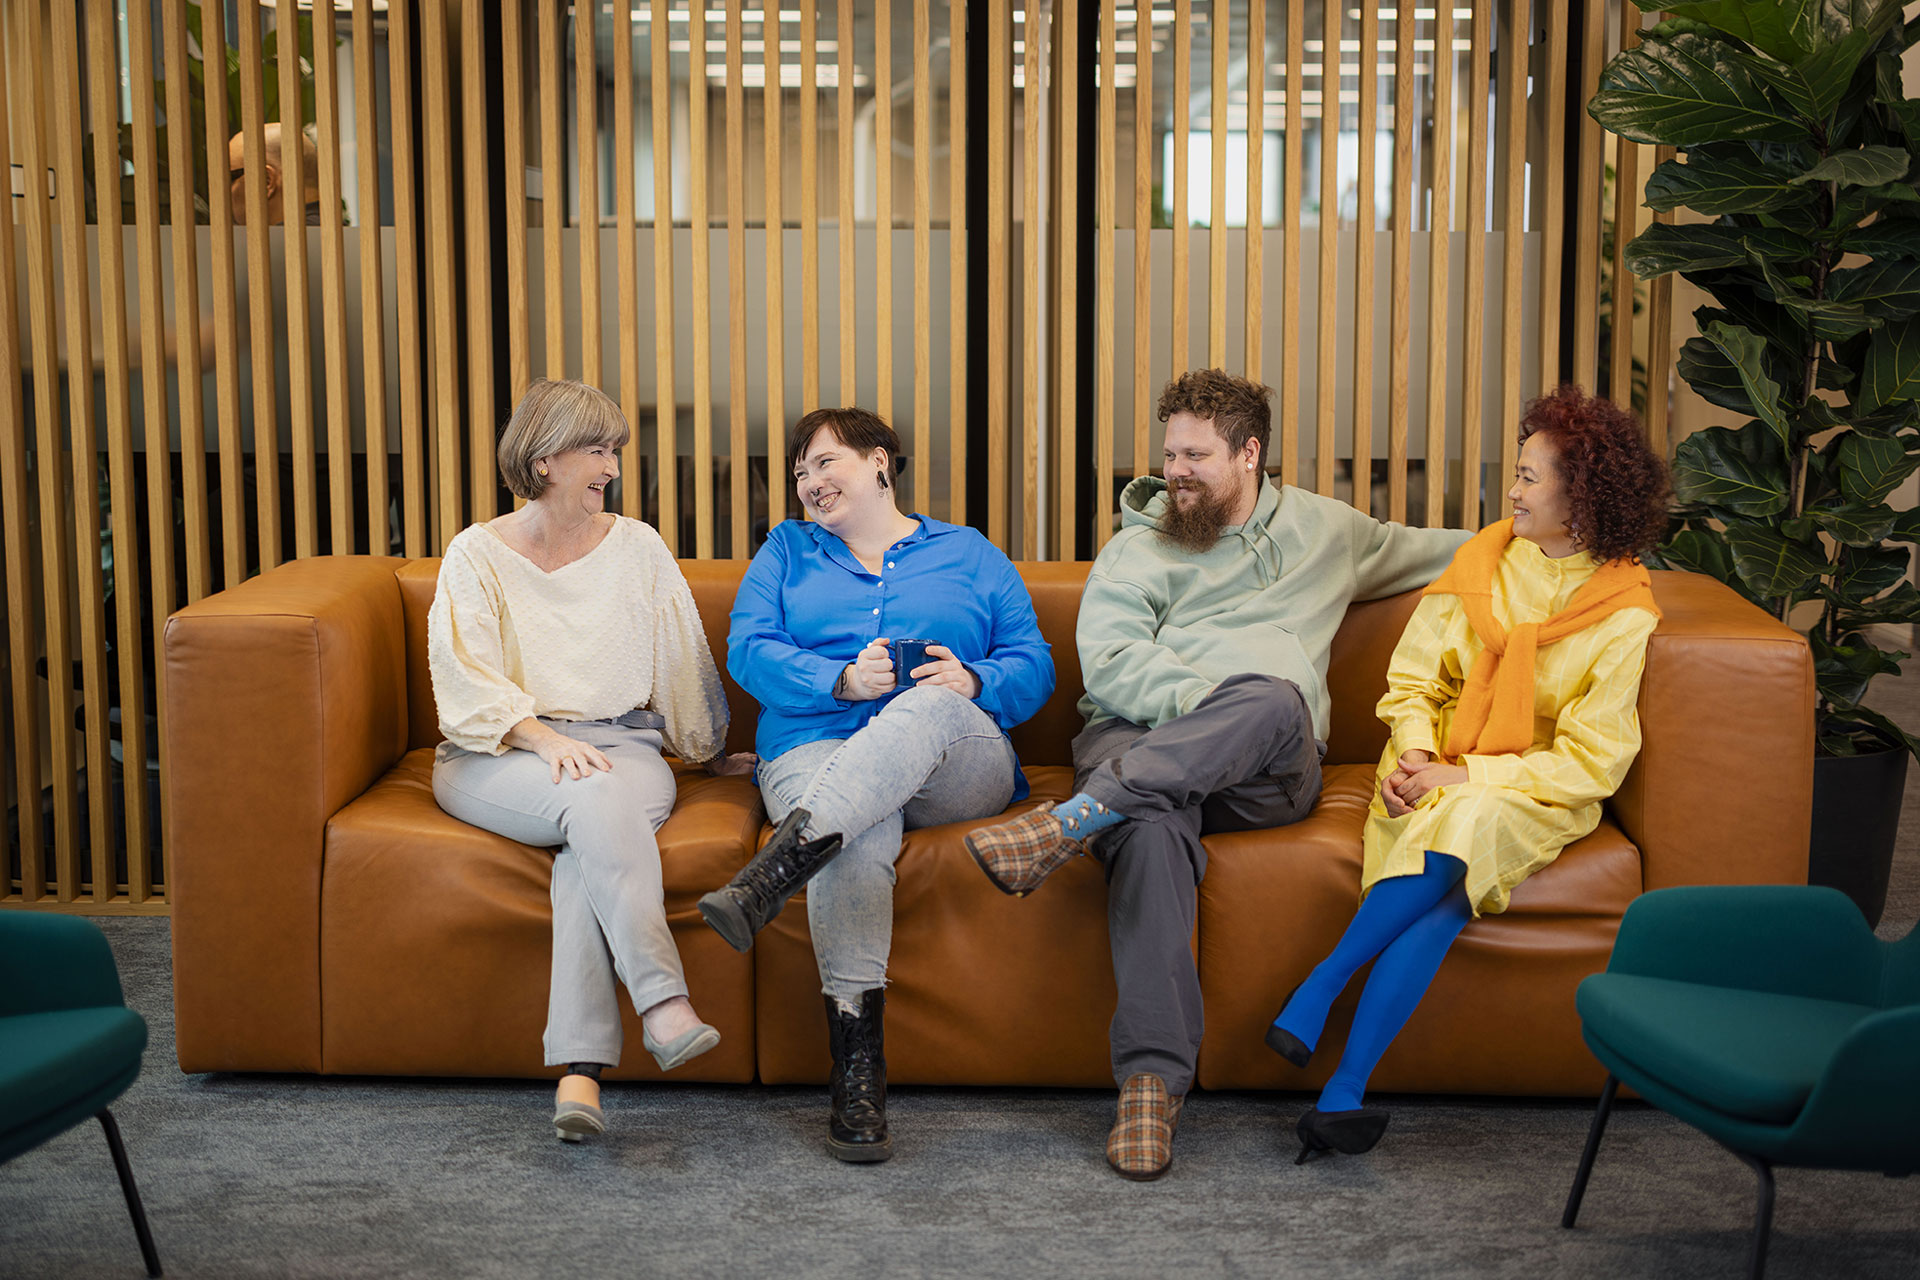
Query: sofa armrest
column 1722, row 791
column 285, row 698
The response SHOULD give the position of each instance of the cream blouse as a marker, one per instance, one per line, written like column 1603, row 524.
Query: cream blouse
column 613, row 631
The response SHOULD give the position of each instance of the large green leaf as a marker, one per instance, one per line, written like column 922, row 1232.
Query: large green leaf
column 1871, row 467
column 1747, row 351
column 1842, row 670
column 1867, row 572
column 1687, row 90
column 1891, row 289
column 1723, row 179
column 1666, row 246
column 1901, row 605
column 1815, row 85
column 1886, row 237
column 1856, row 526
column 1892, row 371
column 1742, row 470
column 1856, row 204
column 1699, row 551
column 1876, row 725
column 1786, row 30
column 1865, row 167
column 1770, row 563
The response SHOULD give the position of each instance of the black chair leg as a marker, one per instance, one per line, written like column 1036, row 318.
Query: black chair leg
column 1762, row 1217
column 1598, row 1127
column 132, row 1192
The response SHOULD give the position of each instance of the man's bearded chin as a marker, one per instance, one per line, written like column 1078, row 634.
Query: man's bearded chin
column 1195, row 525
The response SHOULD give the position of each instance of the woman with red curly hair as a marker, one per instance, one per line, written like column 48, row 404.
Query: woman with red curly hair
column 1511, row 699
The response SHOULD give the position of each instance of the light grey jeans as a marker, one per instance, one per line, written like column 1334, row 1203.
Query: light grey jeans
column 609, row 914
column 930, row 756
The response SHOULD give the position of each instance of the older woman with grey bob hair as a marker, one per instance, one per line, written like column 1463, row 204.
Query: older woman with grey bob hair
column 567, row 656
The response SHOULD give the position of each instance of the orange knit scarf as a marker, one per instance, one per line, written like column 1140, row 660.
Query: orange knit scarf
column 1495, row 715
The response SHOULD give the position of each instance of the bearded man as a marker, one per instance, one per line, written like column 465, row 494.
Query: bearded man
column 1204, row 635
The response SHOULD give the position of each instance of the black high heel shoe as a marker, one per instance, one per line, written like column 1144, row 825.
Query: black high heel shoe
column 1284, row 1042
column 1348, row 1132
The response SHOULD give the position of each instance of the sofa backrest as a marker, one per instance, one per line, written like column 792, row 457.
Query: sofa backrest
column 1356, row 676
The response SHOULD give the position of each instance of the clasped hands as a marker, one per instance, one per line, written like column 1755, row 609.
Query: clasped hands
column 870, row 675
column 572, row 758
column 1414, row 775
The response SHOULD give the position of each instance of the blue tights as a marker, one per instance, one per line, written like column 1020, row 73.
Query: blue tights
column 1408, row 922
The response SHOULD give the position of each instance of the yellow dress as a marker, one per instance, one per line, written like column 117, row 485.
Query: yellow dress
column 1515, row 812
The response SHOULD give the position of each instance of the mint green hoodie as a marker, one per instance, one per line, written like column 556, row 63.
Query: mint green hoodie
column 1160, row 627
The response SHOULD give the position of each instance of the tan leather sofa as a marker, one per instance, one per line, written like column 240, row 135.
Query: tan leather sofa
column 329, row 918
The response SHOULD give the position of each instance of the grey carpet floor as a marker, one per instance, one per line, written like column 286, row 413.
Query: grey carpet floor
column 270, row 1176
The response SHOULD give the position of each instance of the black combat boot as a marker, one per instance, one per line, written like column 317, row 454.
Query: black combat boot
column 857, row 1128
column 754, row 896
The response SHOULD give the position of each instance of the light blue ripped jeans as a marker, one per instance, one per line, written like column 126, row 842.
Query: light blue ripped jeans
column 931, row 756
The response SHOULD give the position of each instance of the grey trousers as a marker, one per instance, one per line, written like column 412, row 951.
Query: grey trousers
column 1244, row 758
column 609, row 913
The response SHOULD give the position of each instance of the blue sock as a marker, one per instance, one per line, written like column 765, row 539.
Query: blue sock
column 1391, row 906
column 1400, row 977
column 1088, row 816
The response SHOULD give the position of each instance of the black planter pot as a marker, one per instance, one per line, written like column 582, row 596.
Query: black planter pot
column 1856, row 816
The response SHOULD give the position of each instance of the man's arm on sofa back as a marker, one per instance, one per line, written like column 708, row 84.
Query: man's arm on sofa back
column 1722, row 792
column 285, row 699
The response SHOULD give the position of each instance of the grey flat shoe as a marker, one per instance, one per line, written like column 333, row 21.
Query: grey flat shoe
column 573, row 1121
column 683, row 1048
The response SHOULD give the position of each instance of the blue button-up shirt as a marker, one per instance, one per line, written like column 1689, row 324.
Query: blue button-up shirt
column 806, row 608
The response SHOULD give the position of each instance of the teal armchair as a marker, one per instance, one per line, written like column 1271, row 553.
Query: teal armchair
column 68, row 1043
column 1771, row 1019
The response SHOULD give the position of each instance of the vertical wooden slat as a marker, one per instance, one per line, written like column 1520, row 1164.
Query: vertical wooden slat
column 1554, row 198
column 1626, row 199
column 297, row 333
column 999, row 234
column 774, row 110
column 513, row 103
column 1326, row 321
column 1365, row 223
column 437, row 106
column 702, row 283
column 809, row 208
column 477, row 26
column 1103, row 303
column 1659, row 338
column 186, row 306
column 226, row 338
column 956, row 261
column 626, row 253
column 737, row 281
column 922, row 251
column 1067, row 265
column 261, row 336
column 1586, row 259
column 373, row 326
column 333, row 281
column 1291, row 202
column 1473, row 350
column 1256, row 181
column 553, row 170
column 848, row 308
column 117, row 387
column 666, row 415
column 81, row 448
column 1400, row 346
column 1033, row 356
column 1219, row 38
column 1439, row 258
column 1177, row 204
column 883, row 207
column 1513, row 99
column 406, row 213
column 22, row 644
column 586, row 91
column 1143, row 409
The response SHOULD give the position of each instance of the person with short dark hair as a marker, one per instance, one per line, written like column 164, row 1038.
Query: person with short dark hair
column 890, row 654
column 1512, row 700
column 1204, row 632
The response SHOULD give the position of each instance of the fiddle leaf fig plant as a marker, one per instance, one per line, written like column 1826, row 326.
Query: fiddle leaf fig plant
column 1799, row 154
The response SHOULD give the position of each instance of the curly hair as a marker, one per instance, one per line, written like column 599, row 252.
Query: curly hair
column 1616, row 485
column 1236, row 406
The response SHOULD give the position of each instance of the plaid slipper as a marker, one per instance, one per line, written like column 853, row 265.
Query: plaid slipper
column 1141, row 1144
column 1019, row 854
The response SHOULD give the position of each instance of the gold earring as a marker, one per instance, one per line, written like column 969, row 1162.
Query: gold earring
column 543, row 471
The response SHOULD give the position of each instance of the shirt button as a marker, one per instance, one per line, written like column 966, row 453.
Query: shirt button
column 889, row 564
column 876, row 613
